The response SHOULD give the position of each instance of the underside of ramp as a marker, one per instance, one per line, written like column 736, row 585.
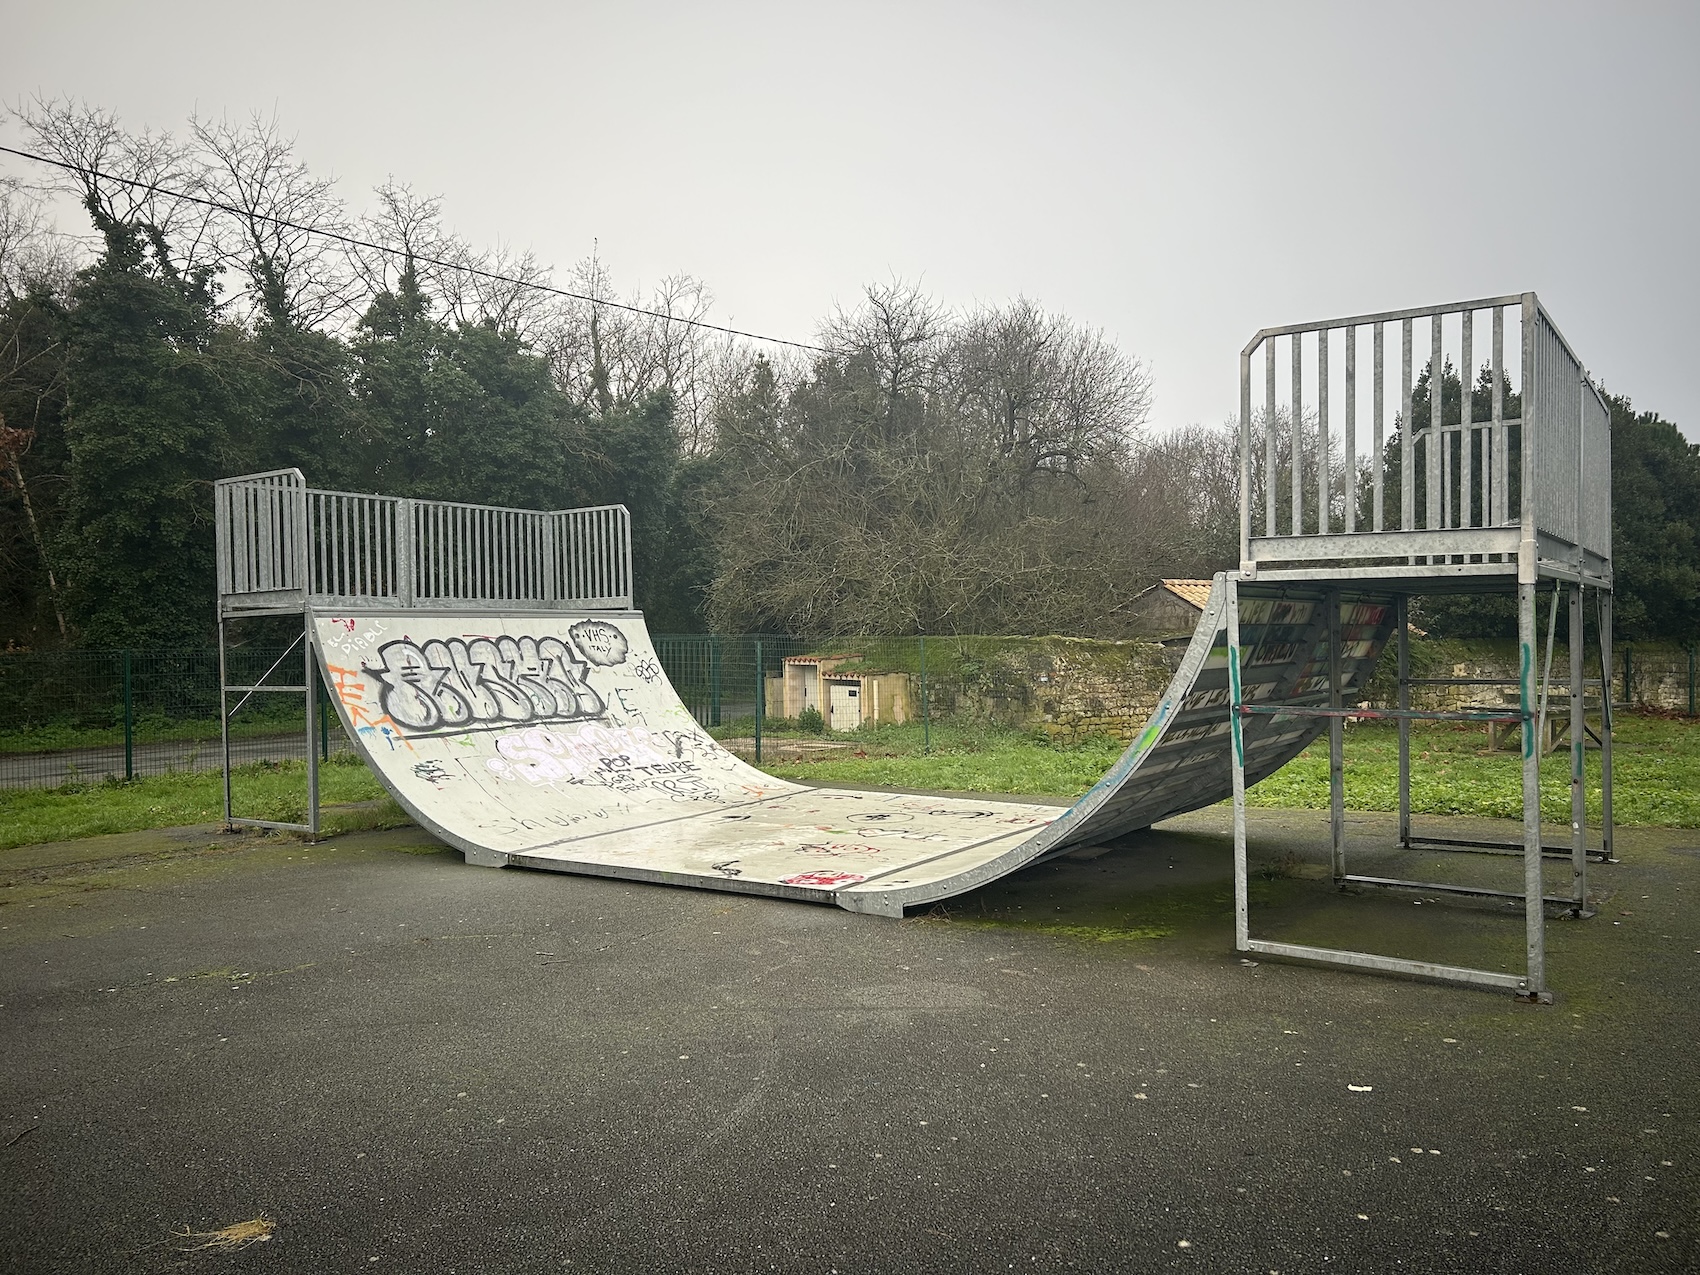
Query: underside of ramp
column 549, row 739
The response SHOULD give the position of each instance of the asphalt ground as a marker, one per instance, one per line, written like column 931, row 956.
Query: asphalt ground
column 406, row 1064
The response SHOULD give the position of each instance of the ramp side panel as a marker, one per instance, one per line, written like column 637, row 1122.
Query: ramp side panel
column 1179, row 762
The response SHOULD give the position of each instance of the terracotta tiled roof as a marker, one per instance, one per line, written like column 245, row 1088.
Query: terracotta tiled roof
column 1195, row 592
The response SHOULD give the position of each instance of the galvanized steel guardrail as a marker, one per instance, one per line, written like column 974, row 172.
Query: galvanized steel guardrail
column 283, row 546
column 1320, row 482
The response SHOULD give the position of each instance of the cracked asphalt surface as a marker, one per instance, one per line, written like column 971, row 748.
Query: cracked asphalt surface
column 412, row 1065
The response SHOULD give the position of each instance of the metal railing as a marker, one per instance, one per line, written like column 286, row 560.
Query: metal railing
column 1339, row 467
column 283, row 546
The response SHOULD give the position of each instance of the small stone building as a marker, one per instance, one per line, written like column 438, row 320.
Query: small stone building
column 845, row 699
column 1169, row 608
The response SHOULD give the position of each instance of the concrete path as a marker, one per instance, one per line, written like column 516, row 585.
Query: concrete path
column 410, row 1065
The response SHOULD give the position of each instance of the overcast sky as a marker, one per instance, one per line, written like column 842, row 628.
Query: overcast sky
column 1179, row 175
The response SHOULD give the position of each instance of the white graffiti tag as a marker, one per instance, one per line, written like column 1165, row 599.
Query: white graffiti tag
column 626, row 758
column 460, row 684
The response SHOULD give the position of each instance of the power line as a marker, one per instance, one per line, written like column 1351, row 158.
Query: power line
column 352, row 242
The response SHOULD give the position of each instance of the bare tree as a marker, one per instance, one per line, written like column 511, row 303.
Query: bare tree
column 275, row 233
column 408, row 231
column 608, row 351
column 1053, row 395
column 879, row 491
column 130, row 178
column 502, row 288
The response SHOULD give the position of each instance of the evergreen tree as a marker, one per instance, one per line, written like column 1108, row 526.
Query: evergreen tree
column 150, row 418
column 1655, row 481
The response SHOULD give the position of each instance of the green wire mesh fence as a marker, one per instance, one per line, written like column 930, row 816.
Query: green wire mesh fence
column 71, row 717
column 86, row 716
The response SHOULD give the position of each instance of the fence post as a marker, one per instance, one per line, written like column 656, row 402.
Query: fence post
column 926, row 716
column 324, row 721
column 129, row 723
column 761, row 697
column 714, row 679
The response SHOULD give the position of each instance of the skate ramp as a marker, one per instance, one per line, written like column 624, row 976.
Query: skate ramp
column 553, row 740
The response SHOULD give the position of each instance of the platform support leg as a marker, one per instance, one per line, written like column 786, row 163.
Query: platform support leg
column 1402, row 624
column 1236, row 764
column 1336, row 743
column 1534, row 914
column 1578, row 740
column 310, row 683
column 224, row 719
column 1604, row 598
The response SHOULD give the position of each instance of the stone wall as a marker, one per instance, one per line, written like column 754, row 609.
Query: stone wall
column 1069, row 688
column 1657, row 674
column 1072, row 689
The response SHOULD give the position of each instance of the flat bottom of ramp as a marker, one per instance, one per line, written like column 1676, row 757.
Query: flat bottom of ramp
column 859, row 850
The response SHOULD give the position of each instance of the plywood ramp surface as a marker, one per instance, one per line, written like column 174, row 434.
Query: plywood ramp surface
column 553, row 740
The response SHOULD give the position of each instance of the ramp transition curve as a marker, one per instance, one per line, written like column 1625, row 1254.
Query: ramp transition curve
column 549, row 739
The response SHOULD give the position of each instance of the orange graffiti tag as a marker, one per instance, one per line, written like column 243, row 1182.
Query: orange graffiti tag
column 350, row 687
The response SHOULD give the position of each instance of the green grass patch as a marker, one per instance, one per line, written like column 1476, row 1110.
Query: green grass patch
column 1655, row 773
column 962, row 758
column 1656, row 769
column 264, row 790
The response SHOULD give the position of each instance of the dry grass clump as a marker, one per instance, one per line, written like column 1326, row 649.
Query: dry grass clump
column 229, row 1238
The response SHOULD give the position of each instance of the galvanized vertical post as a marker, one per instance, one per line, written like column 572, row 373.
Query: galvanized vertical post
column 1433, row 480
column 406, row 553
column 1336, row 742
column 224, row 717
column 1607, row 721
column 310, row 687
column 714, row 679
column 1402, row 622
column 926, row 716
column 1351, row 441
column 1297, row 409
column 324, row 723
column 1236, row 766
column 129, row 723
column 1578, row 736
column 761, row 696
column 1534, row 916
column 1407, row 436
column 1245, row 458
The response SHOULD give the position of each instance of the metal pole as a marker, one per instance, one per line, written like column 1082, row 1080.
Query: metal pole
column 714, row 680
column 926, row 717
column 761, row 689
column 224, row 720
column 1336, row 742
column 129, row 723
column 1534, row 917
column 1604, row 598
column 324, row 723
column 1402, row 622
column 1578, row 736
column 1236, row 765
column 310, row 685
